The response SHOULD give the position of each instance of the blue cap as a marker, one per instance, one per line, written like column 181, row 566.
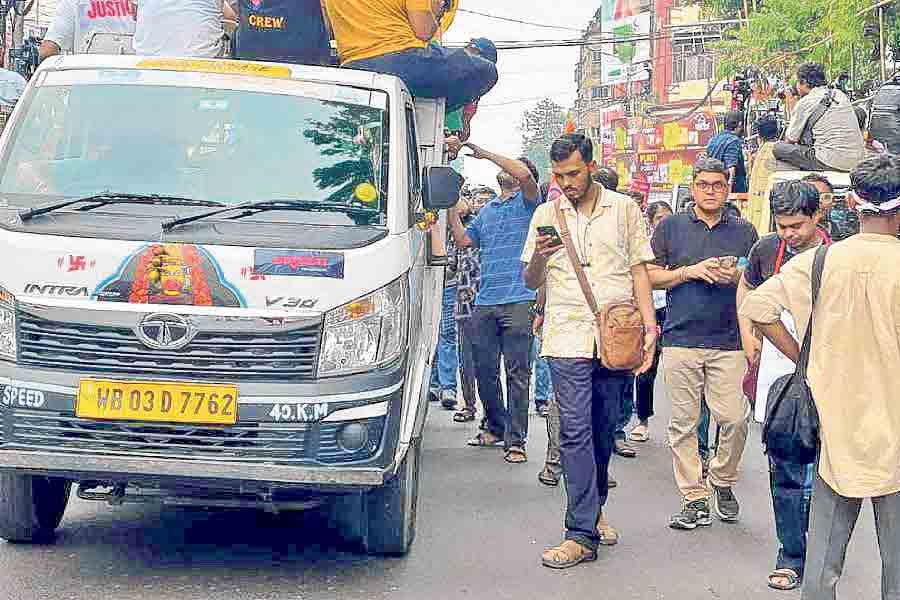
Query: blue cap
column 486, row 48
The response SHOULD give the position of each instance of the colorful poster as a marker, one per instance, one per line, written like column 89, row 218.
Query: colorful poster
column 178, row 274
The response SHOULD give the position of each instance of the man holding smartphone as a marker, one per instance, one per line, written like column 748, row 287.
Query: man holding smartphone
column 696, row 262
column 610, row 238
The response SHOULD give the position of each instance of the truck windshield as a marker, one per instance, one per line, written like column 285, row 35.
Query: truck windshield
column 219, row 145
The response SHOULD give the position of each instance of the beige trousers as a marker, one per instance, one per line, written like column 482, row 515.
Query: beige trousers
column 717, row 374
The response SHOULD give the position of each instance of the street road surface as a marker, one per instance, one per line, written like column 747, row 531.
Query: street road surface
column 482, row 526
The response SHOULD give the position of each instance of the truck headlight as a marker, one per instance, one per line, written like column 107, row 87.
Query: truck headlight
column 365, row 333
column 7, row 325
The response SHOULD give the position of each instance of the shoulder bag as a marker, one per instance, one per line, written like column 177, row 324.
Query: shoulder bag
column 791, row 429
column 618, row 326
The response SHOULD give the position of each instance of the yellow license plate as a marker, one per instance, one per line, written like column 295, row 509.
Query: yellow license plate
column 169, row 402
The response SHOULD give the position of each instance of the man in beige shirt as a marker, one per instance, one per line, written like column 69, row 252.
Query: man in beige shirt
column 854, row 356
column 611, row 240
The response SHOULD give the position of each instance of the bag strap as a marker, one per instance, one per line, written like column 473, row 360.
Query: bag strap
column 566, row 237
column 779, row 260
column 818, row 267
column 816, row 115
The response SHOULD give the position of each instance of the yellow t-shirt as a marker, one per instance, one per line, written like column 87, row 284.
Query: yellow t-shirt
column 370, row 28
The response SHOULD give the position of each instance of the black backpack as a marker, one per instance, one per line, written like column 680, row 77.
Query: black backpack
column 884, row 120
column 290, row 31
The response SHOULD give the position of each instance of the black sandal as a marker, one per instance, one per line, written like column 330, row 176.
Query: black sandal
column 548, row 477
column 465, row 415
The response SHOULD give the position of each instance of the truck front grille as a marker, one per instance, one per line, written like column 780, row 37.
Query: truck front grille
column 282, row 356
column 245, row 442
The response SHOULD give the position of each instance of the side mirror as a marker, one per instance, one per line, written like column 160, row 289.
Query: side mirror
column 441, row 188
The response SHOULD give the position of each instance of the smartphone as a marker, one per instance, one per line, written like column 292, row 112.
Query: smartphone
column 550, row 230
column 728, row 262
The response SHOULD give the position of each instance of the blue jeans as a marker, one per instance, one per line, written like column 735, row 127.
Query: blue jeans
column 589, row 397
column 436, row 72
column 542, row 385
column 791, row 485
column 443, row 374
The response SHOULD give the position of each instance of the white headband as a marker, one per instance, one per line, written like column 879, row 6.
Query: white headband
column 866, row 206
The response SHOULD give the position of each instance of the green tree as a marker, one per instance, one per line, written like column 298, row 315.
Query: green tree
column 781, row 34
column 540, row 126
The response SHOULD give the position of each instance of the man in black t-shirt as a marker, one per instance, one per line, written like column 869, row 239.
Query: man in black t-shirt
column 797, row 213
column 696, row 255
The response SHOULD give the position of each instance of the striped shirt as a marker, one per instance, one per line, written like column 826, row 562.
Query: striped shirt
column 500, row 230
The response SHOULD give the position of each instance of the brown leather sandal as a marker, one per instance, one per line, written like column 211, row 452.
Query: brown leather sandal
column 567, row 555
column 516, row 455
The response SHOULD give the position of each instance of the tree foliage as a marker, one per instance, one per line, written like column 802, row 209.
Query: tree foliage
column 540, row 127
column 781, row 34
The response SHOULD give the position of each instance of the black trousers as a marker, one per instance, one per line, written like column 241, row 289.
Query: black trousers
column 467, row 336
column 647, row 381
column 504, row 330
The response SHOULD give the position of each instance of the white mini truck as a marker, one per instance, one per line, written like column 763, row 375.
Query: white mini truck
column 218, row 290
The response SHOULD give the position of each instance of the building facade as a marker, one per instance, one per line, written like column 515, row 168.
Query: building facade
column 648, row 94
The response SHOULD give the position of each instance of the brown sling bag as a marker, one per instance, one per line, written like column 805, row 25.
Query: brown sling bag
column 618, row 326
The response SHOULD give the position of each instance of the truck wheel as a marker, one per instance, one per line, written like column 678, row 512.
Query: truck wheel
column 391, row 509
column 31, row 507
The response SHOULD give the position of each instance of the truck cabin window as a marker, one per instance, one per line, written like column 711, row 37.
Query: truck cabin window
column 205, row 143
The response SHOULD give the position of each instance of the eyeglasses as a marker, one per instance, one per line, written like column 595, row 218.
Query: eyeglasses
column 705, row 186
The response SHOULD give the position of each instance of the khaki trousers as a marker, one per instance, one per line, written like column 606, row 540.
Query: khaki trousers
column 688, row 373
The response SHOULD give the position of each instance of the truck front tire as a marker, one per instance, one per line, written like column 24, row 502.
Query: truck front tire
column 382, row 521
column 392, row 508
column 31, row 507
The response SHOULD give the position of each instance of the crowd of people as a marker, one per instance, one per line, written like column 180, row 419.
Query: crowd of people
column 716, row 301
column 532, row 267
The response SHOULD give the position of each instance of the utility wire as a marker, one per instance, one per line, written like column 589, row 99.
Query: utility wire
column 510, row 20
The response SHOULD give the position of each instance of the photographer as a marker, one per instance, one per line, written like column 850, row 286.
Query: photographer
column 823, row 134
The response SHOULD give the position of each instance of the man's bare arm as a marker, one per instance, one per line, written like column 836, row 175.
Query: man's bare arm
column 749, row 340
column 643, row 297
column 781, row 338
column 516, row 168
column 667, row 279
column 458, row 230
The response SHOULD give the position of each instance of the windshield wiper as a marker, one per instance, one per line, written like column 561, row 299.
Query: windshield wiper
column 257, row 206
column 110, row 198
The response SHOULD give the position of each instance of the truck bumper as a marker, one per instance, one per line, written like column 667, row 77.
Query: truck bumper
column 120, row 468
column 40, row 434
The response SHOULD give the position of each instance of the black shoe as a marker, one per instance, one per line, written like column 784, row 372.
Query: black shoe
column 543, row 410
column 434, row 396
column 725, row 504
column 694, row 514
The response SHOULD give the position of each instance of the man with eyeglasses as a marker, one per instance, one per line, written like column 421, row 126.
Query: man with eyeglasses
column 696, row 262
